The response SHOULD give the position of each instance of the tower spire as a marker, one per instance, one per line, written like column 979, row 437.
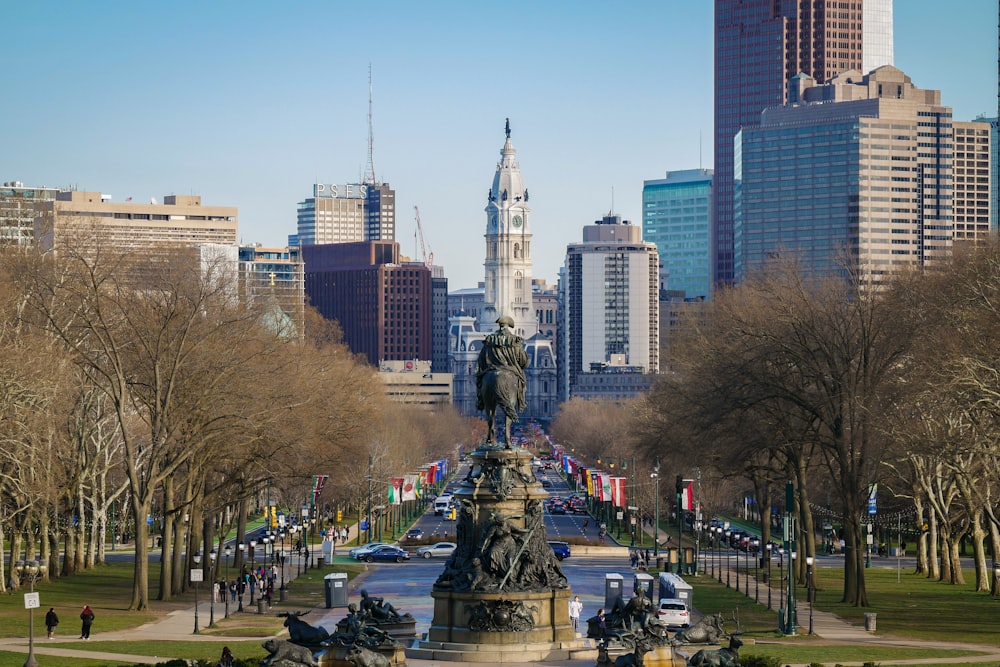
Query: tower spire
column 369, row 178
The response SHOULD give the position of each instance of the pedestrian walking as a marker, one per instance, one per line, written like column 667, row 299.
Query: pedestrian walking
column 86, row 619
column 633, row 558
column 51, row 621
column 575, row 609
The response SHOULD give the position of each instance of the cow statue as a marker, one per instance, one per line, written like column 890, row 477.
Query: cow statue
column 283, row 653
column 359, row 656
column 706, row 631
column 720, row 657
column 300, row 632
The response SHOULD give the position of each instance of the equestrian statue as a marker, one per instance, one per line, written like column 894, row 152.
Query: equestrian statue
column 500, row 380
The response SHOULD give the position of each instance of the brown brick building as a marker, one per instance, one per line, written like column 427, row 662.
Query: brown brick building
column 382, row 305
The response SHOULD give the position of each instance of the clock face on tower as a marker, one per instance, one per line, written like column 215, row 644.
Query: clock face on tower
column 517, row 221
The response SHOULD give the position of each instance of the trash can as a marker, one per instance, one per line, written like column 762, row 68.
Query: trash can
column 612, row 589
column 335, row 586
column 661, row 562
column 870, row 621
column 261, row 606
column 320, row 562
column 282, row 594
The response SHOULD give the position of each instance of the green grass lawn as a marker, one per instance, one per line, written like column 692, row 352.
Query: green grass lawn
column 915, row 607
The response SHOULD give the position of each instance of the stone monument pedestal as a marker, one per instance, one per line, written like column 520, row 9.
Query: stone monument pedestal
column 491, row 618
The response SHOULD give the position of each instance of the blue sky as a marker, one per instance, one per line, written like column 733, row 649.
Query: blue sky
column 248, row 104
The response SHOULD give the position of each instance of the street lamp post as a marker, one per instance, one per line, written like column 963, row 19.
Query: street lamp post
column 680, row 523
column 718, row 549
column 225, row 589
column 253, row 568
column 746, row 569
column 283, row 591
column 298, row 568
column 781, row 589
column 756, row 573
column 241, row 586
column 768, row 547
column 211, row 579
column 728, row 550
column 792, row 623
column 30, row 570
column 810, row 590
column 711, row 548
column 196, row 576
column 656, row 505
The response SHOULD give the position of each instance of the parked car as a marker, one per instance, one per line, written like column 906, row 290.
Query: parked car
column 357, row 552
column 387, row 553
column 560, row 549
column 414, row 534
column 439, row 549
column 674, row 613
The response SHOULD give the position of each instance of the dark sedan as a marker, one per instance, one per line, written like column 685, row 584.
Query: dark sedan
column 386, row 554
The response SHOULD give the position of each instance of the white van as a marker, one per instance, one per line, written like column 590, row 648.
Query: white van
column 441, row 504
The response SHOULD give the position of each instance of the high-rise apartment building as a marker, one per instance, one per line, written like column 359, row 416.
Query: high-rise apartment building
column 347, row 213
column 610, row 303
column 856, row 173
column 974, row 194
column 382, row 305
column 759, row 46
column 677, row 217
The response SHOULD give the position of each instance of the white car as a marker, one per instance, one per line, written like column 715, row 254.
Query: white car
column 439, row 549
column 674, row 613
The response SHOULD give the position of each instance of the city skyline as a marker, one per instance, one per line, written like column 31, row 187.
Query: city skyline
column 249, row 105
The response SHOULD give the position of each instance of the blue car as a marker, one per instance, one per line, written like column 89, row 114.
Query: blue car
column 560, row 549
column 386, row 554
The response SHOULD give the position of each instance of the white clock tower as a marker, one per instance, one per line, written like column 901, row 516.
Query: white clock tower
column 508, row 248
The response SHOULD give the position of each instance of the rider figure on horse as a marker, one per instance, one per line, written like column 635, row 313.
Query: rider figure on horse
column 503, row 350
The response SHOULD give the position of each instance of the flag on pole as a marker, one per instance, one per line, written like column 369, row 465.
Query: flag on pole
column 395, row 490
column 687, row 495
column 410, row 487
column 618, row 491
column 606, row 487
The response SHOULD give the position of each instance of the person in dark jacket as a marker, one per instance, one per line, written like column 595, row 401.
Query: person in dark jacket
column 51, row 621
column 87, row 619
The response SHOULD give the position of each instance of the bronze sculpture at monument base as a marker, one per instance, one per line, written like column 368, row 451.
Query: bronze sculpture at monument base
column 502, row 596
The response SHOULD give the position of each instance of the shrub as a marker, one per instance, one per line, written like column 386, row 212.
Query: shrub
column 759, row 661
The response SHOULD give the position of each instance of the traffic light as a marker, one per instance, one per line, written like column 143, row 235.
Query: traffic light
column 340, row 515
column 274, row 516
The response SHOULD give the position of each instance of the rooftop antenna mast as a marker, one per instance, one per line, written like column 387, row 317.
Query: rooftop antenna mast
column 369, row 178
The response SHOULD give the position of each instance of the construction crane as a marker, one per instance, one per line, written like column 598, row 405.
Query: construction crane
column 427, row 256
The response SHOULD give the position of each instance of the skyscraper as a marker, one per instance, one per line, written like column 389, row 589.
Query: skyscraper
column 854, row 174
column 347, row 213
column 677, row 217
column 759, row 46
column 610, row 302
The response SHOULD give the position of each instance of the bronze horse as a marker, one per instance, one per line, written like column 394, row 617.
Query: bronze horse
column 499, row 390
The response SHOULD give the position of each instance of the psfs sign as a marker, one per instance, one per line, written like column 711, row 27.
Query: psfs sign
column 342, row 191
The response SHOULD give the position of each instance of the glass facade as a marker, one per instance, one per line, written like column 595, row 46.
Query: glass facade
column 759, row 45
column 677, row 217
